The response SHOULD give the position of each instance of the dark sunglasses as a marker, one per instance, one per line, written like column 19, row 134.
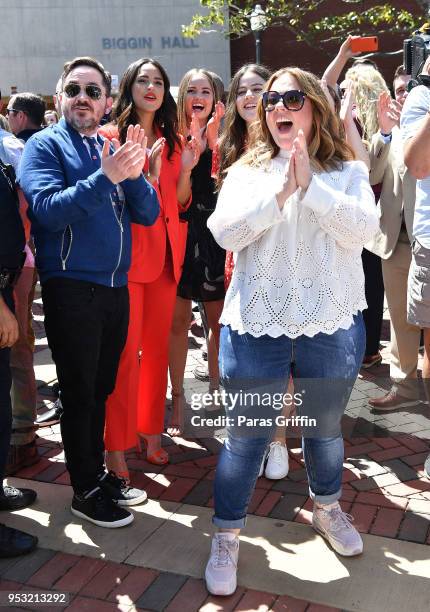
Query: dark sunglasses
column 292, row 100
column 8, row 111
column 92, row 91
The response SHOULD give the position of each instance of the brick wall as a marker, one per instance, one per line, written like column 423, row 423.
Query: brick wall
column 279, row 47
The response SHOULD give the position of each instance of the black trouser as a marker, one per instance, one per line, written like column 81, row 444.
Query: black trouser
column 86, row 326
column 374, row 289
column 5, row 402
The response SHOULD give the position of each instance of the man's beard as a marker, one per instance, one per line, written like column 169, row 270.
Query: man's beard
column 90, row 124
column 84, row 124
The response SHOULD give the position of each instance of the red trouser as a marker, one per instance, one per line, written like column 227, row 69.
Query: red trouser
column 137, row 403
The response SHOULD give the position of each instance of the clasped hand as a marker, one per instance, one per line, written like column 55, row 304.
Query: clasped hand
column 127, row 160
column 299, row 172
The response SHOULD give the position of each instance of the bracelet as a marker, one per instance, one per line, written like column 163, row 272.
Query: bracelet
column 149, row 179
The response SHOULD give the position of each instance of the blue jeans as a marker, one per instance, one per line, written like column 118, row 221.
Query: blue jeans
column 324, row 369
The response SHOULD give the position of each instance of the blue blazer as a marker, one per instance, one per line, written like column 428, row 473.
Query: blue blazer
column 77, row 231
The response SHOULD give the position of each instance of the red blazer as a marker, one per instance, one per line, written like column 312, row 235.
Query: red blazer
column 148, row 244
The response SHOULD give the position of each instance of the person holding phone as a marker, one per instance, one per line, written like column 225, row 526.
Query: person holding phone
column 351, row 47
column 297, row 209
column 365, row 83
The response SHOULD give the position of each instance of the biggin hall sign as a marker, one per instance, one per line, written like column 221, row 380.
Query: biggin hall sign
column 146, row 42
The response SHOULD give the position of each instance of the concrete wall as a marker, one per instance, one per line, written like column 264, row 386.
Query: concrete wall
column 38, row 36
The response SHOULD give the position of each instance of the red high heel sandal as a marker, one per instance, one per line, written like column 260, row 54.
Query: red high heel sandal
column 159, row 457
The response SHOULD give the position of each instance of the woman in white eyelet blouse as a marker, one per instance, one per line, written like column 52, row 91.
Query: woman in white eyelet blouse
column 297, row 209
column 298, row 271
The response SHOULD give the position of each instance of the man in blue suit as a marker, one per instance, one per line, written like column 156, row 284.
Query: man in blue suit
column 82, row 197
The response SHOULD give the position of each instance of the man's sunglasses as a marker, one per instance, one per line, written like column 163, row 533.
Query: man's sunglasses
column 292, row 100
column 8, row 111
column 92, row 91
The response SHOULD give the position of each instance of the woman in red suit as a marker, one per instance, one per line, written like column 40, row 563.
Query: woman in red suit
column 137, row 403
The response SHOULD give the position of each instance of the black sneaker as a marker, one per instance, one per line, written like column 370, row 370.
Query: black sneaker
column 427, row 466
column 99, row 509
column 14, row 542
column 119, row 490
column 15, row 499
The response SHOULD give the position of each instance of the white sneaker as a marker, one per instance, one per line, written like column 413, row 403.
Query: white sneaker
column 335, row 526
column 263, row 463
column 277, row 461
column 222, row 565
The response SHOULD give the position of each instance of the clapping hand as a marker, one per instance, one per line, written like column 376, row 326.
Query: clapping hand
column 212, row 128
column 190, row 155
column 127, row 160
column 196, row 133
column 389, row 112
column 347, row 105
column 155, row 158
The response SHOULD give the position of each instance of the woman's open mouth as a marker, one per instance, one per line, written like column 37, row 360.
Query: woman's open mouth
column 284, row 125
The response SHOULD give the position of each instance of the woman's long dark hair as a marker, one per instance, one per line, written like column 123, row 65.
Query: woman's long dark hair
column 234, row 135
column 125, row 113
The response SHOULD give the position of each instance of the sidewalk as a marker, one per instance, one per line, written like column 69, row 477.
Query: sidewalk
column 157, row 563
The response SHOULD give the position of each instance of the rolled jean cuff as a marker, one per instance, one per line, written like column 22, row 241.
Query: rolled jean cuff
column 229, row 524
column 325, row 499
column 19, row 439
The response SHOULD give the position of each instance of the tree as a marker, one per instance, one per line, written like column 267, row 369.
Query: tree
column 300, row 19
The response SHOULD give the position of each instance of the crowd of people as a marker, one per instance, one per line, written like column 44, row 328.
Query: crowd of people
column 285, row 209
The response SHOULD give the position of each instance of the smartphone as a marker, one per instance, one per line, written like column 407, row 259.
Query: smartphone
column 364, row 43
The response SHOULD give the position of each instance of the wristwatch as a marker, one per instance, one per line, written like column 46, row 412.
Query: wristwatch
column 8, row 277
column 4, row 279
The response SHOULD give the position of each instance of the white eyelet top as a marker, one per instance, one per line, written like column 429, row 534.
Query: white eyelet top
column 298, row 271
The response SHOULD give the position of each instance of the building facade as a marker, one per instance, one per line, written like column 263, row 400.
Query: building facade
column 38, row 36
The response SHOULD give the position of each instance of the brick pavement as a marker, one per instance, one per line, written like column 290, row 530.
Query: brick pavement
column 96, row 585
column 384, row 488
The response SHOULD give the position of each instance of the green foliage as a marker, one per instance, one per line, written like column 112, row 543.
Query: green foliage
column 378, row 19
column 300, row 19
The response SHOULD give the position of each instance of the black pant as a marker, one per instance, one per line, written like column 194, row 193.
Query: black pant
column 5, row 403
column 374, row 289
column 86, row 326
